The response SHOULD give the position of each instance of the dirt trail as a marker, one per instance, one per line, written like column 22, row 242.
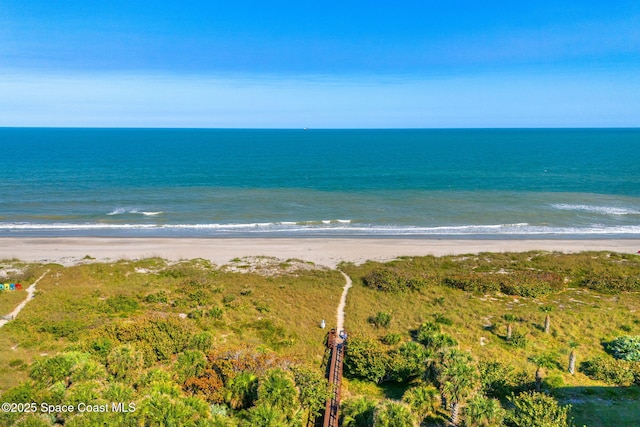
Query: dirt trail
column 31, row 290
column 343, row 302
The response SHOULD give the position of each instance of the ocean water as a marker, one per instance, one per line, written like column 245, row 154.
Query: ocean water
column 422, row 183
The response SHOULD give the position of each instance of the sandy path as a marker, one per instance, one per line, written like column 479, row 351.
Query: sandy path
column 343, row 302
column 31, row 290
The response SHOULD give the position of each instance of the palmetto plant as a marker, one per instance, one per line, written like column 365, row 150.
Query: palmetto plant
column 457, row 376
column 241, row 390
column 482, row 411
column 423, row 400
column 358, row 412
column 394, row 414
column 278, row 390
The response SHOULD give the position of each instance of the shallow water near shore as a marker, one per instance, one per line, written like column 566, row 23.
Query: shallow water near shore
column 320, row 183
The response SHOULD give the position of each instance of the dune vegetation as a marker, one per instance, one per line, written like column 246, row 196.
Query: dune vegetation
column 473, row 340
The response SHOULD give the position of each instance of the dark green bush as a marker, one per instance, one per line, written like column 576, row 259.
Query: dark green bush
column 610, row 283
column 407, row 362
column 625, row 348
column 612, row 371
column 391, row 339
column 216, row 312
column 433, row 339
column 497, row 380
column 532, row 409
column 386, row 280
column 122, row 304
column 50, row 370
column 164, row 337
column 520, row 282
column 365, row 359
column 228, row 300
column 472, row 283
column 262, row 306
column 518, row 340
column 66, row 328
column 382, row 319
column 201, row 341
column 442, row 319
column 158, row 297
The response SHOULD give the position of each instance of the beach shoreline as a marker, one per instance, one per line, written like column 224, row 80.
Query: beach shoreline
column 327, row 252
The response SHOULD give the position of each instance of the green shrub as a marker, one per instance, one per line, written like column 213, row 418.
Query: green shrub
column 382, row 319
column 262, row 306
column 609, row 283
column 518, row 340
column 532, row 409
column 496, row 379
column 16, row 363
column 313, row 389
column 57, row 368
column 390, row 413
column 358, row 412
column 66, row 328
column 216, row 312
column 164, row 337
column 191, row 363
column 471, row 283
column 386, row 280
column 443, row 320
column 531, row 283
column 521, row 282
column 612, row 371
column 122, row 304
column 125, row 362
column 195, row 314
column 158, row 297
column 625, row 348
column 87, row 370
column 391, row 339
column 430, row 336
column 275, row 335
column 201, row 341
column 100, row 347
column 554, row 381
column 407, row 362
column 365, row 359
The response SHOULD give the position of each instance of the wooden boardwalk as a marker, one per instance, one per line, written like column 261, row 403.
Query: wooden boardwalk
column 336, row 343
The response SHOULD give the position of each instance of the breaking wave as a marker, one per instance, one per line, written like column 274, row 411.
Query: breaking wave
column 133, row 211
column 603, row 210
column 314, row 228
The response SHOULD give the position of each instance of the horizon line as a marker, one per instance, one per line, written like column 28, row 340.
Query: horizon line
column 326, row 128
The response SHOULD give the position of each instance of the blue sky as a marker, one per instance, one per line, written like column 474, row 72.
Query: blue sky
column 320, row 64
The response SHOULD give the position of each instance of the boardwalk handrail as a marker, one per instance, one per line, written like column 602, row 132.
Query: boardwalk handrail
column 336, row 344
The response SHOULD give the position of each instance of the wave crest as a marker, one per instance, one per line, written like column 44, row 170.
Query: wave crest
column 133, row 211
column 603, row 210
column 320, row 228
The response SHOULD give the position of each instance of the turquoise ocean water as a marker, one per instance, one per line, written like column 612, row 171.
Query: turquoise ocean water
column 422, row 183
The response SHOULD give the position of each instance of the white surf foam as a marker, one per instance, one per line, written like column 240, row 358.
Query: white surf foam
column 603, row 210
column 133, row 211
column 333, row 228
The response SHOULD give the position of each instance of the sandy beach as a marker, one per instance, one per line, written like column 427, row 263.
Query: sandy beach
column 323, row 251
